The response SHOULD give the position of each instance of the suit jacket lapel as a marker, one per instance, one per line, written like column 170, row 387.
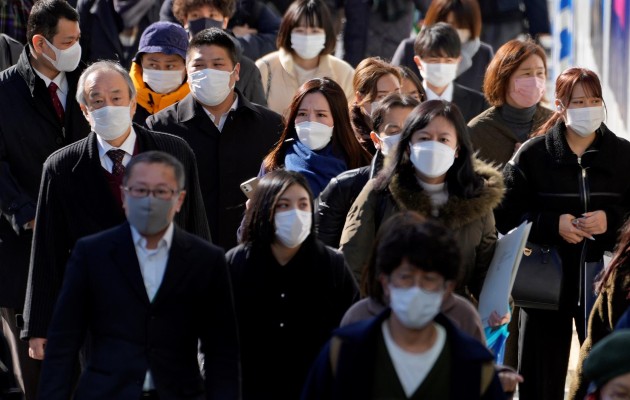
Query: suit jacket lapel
column 175, row 267
column 89, row 172
column 125, row 258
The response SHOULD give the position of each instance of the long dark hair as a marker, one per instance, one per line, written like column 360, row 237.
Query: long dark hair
column 343, row 141
column 565, row 83
column 620, row 261
column 259, row 218
column 461, row 178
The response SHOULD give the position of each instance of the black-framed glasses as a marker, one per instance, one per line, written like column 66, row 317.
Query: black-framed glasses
column 159, row 193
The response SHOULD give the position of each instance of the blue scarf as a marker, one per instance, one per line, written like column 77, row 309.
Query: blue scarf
column 318, row 167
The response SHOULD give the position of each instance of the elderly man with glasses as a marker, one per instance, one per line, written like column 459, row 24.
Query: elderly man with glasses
column 80, row 193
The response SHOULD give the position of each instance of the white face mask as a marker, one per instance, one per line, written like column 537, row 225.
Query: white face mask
column 293, row 227
column 65, row 60
column 464, row 35
column 414, row 307
column 388, row 143
column 210, row 86
column 308, row 46
column 438, row 75
column 110, row 122
column 432, row 159
column 584, row 121
column 162, row 81
column 314, row 135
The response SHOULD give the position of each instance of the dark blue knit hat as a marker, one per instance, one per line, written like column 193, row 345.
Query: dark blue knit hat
column 163, row 37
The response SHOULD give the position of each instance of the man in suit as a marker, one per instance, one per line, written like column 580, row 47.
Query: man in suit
column 80, row 191
column 229, row 135
column 438, row 51
column 38, row 115
column 145, row 292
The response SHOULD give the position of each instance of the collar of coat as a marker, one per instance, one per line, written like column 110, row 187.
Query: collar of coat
column 25, row 69
column 457, row 212
column 188, row 107
column 492, row 117
column 599, row 153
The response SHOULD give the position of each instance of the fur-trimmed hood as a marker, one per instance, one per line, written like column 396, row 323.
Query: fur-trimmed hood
column 457, row 212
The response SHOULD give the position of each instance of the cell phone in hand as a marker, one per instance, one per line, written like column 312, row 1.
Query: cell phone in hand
column 249, row 186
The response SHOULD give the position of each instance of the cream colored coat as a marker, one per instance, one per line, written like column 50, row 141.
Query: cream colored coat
column 284, row 81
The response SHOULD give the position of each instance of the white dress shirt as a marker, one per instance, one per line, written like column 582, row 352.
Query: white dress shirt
column 446, row 95
column 224, row 116
column 103, row 147
column 152, row 266
column 62, row 85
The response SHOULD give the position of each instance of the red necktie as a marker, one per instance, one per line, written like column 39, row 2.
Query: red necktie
column 117, row 156
column 52, row 89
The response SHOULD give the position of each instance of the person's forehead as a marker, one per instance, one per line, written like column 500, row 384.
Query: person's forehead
column 152, row 171
column 105, row 81
column 67, row 29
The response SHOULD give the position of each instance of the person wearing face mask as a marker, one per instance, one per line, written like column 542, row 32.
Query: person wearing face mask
column 290, row 290
column 317, row 140
column 337, row 197
column 81, row 188
column 306, row 41
column 38, row 116
column 566, row 181
column 438, row 54
column 432, row 172
column 410, row 350
column 197, row 15
column 229, row 134
column 158, row 71
column 373, row 79
column 515, row 87
column 149, row 296
column 465, row 17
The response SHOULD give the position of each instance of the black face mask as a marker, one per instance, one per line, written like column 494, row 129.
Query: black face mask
column 197, row 25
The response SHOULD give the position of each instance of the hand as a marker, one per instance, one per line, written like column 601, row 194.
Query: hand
column 495, row 319
column 569, row 231
column 30, row 225
column 248, row 204
column 517, row 146
column 36, row 348
column 509, row 381
column 243, row 30
column 594, row 222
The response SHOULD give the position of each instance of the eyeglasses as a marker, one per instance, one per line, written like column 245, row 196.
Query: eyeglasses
column 429, row 283
column 159, row 193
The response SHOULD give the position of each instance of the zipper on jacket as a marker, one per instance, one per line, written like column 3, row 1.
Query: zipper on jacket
column 584, row 197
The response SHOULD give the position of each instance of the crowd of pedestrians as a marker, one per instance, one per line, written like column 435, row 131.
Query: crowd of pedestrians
column 219, row 199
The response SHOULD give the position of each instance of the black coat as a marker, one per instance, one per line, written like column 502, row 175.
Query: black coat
column 226, row 158
column 471, row 78
column 104, row 297
column 100, row 26
column 337, row 198
column 544, row 180
column 75, row 201
column 286, row 313
column 29, row 132
column 470, row 102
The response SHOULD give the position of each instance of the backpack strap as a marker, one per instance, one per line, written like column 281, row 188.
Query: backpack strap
column 487, row 374
column 335, row 348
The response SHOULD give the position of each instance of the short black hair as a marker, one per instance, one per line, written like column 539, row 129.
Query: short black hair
column 181, row 8
column 44, row 18
column 438, row 40
column 217, row 37
column 390, row 101
column 425, row 243
column 157, row 157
